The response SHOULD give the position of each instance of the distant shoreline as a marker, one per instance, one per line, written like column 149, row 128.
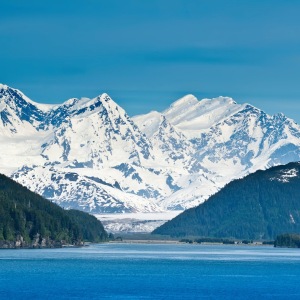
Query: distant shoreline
column 174, row 242
column 125, row 241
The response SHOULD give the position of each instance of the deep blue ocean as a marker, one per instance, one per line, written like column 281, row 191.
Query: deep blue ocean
column 151, row 271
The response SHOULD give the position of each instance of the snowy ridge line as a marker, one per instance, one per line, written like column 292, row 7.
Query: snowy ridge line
column 89, row 154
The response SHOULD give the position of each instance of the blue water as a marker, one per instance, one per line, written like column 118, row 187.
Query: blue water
column 142, row 271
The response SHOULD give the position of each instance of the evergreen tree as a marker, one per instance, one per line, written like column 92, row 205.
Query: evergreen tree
column 26, row 214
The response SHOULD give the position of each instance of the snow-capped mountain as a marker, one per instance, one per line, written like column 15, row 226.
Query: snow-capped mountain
column 228, row 140
column 89, row 154
column 18, row 114
column 96, row 133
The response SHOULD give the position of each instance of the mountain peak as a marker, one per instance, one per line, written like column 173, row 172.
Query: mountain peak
column 186, row 100
column 148, row 123
column 180, row 107
column 90, row 150
column 3, row 86
column 12, row 95
column 111, row 106
column 105, row 97
column 223, row 100
column 84, row 106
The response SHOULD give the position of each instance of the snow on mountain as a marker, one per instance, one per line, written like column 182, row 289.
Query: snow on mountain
column 18, row 114
column 173, row 150
column 286, row 175
column 229, row 141
column 96, row 133
column 20, row 138
column 89, row 154
column 70, row 189
column 191, row 115
column 149, row 123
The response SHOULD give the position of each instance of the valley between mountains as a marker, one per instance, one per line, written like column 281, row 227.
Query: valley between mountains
column 88, row 154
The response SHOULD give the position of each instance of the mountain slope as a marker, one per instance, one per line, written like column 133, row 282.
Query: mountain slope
column 95, row 132
column 91, row 138
column 89, row 154
column 82, row 189
column 28, row 220
column 228, row 141
column 259, row 206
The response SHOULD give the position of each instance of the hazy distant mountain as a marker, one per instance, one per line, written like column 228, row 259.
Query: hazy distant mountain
column 258, row 206
column 89, row 154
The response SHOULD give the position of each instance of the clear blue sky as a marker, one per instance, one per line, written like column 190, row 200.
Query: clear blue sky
column 146, row 54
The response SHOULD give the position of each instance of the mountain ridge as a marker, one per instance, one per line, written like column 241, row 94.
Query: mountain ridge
column 149, row 163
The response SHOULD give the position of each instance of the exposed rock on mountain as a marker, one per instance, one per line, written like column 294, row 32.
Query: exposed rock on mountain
column 89, row 154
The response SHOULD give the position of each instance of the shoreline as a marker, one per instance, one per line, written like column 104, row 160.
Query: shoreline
column 129, row 241
column 174, row 242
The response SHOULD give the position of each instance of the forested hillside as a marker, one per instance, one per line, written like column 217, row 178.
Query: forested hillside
column 260, row 206
column 28, row 220
column 289, row 240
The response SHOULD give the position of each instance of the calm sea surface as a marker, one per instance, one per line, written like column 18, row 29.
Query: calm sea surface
column 142, row 271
